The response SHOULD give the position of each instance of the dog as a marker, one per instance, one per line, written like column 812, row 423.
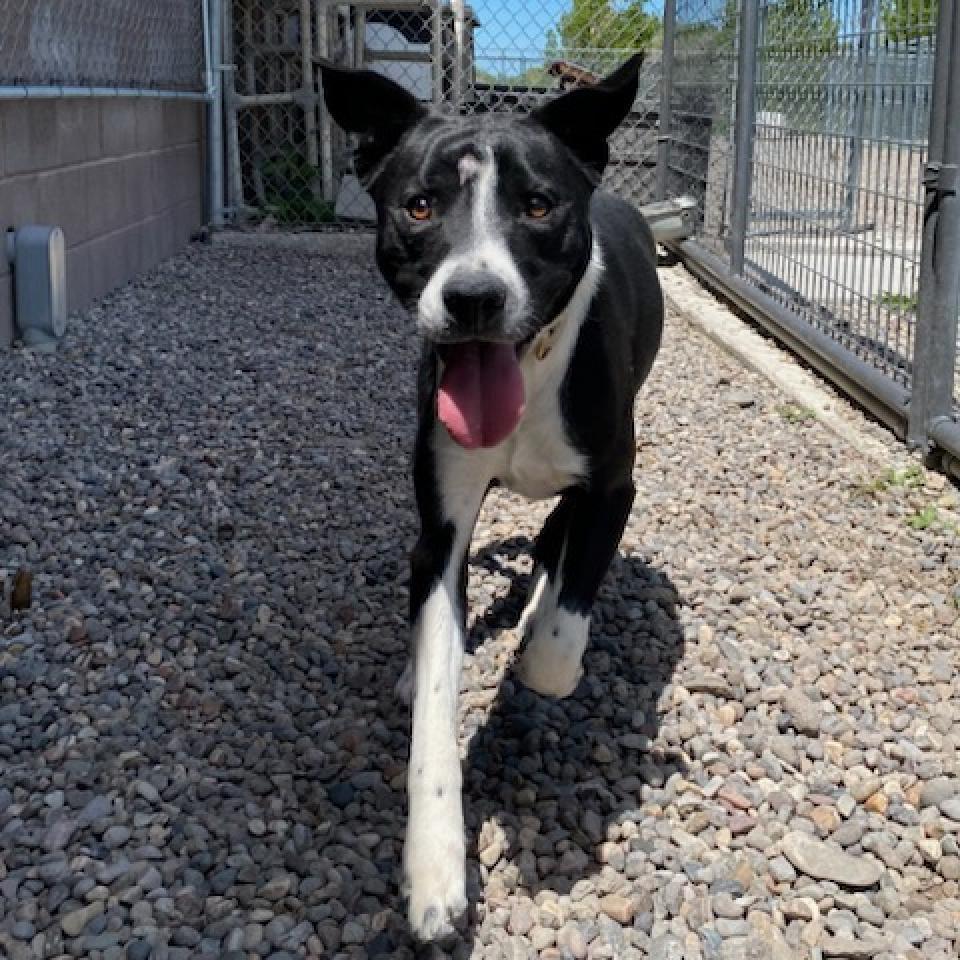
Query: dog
column 537, row 300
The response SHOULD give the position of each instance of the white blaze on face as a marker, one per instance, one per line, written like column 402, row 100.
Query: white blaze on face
column 485, row 249
column 469, row 167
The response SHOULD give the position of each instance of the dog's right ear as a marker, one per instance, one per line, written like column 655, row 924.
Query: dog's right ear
column 368, row 103
column 584, row 118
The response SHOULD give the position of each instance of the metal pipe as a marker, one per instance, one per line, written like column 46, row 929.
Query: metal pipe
column 325, row 51
column 437, row 44
column 666, row 99
column 37, row 91
column 234, row 178
column 459, row 53
column 213, row 26
column 945, row 432
column 359, row 36
column 939, row 287
column 743, row 131
column 308, row 93
column 886, row 399
column 855, row 141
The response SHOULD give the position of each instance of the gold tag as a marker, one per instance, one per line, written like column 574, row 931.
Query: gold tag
column 544, row 342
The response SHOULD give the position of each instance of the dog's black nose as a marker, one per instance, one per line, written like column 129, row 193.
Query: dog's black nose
column 475, row 303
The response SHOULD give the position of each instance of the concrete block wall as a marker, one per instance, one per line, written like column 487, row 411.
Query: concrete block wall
column 122, row 177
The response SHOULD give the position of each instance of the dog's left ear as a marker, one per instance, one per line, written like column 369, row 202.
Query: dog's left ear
column 585, row 117
column 368, row 103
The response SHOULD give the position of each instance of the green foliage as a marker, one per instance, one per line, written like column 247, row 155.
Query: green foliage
column 799, row 27
column 289, row 182
column 906, row 21
column 904, row 302
column 793, row 413
column 532, row 77
column 593, row 35
column 911, row 477
column 602, row 25
column 923, row 519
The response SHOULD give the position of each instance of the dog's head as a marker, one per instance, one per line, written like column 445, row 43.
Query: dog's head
column 483, row 225
column 483, row 220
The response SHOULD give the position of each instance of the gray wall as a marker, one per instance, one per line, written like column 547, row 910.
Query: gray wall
column 122, row 177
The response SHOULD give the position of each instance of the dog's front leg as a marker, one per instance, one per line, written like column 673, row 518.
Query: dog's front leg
column 573, row 553
column 434, row 856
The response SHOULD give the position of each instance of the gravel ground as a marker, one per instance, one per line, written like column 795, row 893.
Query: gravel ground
column 199, row 750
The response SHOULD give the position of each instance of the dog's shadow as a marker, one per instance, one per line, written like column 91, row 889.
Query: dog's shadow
column 547, row 783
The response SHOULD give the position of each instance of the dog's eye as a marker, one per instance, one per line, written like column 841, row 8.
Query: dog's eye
column 537, row 206
column 420, row 208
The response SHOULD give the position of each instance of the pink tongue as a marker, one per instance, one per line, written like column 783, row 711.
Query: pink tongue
column 480, row 400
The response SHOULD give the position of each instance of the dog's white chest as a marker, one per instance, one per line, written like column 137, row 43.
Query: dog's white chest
column 538, row 459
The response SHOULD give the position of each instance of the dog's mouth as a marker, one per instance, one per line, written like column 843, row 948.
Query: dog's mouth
column 481, row 398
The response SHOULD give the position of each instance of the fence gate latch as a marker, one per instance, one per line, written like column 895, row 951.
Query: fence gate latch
column 941, row 178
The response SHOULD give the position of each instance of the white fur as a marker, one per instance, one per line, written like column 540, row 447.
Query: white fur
column 556, row 638
column 485, row 250
column 539, row 584
column 468, row 167
column 551, row 663
column 434, row 852
column 403, row 689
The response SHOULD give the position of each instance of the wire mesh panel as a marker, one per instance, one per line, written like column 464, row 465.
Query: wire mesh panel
column 102, row 43
column 842, row 110
column 701, row 103
column 291, row 165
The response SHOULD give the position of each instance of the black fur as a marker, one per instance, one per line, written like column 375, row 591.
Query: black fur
column 557, row 153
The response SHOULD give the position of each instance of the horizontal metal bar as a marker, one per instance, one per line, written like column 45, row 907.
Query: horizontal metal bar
column 945, row 433
column 55, row 92
column 243, row 100
column 887, row 400
column 411, row 56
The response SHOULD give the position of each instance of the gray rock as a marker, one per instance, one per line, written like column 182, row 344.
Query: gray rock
column 59, row 834
column 950, row 806
column 804, row 713
column 859, row 948
column 667, row 947
column 781, row 870
column 74, row 922
column 826, row 862
column 116, row 836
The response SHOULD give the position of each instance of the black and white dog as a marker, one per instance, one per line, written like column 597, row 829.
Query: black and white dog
column 538, row 302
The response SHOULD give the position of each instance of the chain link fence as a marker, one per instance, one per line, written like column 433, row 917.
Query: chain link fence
column 289, row 165
column 101, row 44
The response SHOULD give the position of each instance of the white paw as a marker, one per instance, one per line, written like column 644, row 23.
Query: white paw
column 434, row 869
column 403, row 690
column 552, row 662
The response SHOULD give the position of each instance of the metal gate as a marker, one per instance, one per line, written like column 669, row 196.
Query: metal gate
column 820, row 139
column 287, row 164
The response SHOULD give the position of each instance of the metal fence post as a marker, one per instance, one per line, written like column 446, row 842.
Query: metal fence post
column 666, row 99
column 859, row 124
column 213, row 24
column 931, row 403
column 746, row 100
